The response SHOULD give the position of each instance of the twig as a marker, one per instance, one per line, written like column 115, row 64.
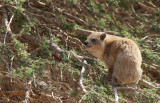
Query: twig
column 28, row 91
column 15, row 8
column 32, row 9
column 140, row 18
column 82, row 97
column 150, row 4
column 114, row 88
column 12, row 62
column 7, row 64
column 148, row 35
column 26, row 97
column 150, row 9
column 7, row 24
column 15, row 1
column 51, row 21
column 81, row 79
column 144, row 38
column 148, row 84
column 55, row 48
column 71, row 39
column 8, row 29
column 115, row 94
column 52, row 94
column 78, row 20
column 88, row 32
column 84, row 32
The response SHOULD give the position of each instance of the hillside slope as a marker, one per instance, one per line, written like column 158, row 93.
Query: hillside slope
column 43, row 58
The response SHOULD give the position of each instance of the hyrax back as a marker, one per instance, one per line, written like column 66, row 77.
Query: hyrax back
column 121, row 55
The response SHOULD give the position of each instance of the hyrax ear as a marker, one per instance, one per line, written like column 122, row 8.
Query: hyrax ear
column 103, row 36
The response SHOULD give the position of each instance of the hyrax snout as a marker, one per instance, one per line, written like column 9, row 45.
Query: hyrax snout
column 121, row 56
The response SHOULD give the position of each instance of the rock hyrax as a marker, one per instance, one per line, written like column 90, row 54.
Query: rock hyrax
column 121, row 56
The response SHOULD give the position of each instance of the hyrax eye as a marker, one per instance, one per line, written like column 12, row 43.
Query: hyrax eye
column 93, row 40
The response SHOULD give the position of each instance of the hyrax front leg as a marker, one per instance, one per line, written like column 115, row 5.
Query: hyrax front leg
column 110, row 72
column 111, row 78
column 113, row 81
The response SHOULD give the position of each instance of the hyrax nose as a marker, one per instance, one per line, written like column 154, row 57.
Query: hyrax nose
column 86, row 43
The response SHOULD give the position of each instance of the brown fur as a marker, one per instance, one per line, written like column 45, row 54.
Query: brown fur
column 121, row 55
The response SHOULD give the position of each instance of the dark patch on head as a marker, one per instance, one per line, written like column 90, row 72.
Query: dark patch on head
column 108, row 48
column 103, row 36
column 93, row 40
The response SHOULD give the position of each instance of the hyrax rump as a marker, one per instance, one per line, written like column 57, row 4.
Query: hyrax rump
column 121, row 55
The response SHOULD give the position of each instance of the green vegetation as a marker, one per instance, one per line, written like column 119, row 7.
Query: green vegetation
column 44, row 55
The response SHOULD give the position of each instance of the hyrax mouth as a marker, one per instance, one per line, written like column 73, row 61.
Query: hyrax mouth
column 88, row 46
column 86, row 43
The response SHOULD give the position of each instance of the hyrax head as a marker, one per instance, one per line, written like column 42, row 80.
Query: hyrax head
column 95, row 42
